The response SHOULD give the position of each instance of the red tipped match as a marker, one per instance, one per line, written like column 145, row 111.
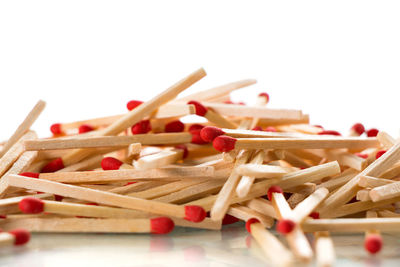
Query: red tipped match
column 195, row 127
column 174, row 127
column 264, row 95
column 110, row 163
column 229, row 102
column 209, row 133
column 21, row 236
column 185, row 150
column 314, row 215
column 250, row 222
column 133, row 104
column 285, row 226
column 372, row 132
column 270, row 129
column 257, row 128
column 380, row 153
column 31, row 205
column 373, row 243
column 358, row 128
column 195, row 213
column 141, row 127
column 200, row 109
column 56, row 128
column 274, row 189
column 30, row 174
column 224, row 143
column 196, row 138
column 161, row 225
column 319, row 126
column 229, row 219
column 84, row 128
column 329, row 132
column 53, row 166
column 361, row 155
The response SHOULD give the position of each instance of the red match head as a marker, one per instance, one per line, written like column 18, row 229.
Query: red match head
column 21, row 236
column 30, row 174
column 200, row 109
column 195, row 127
column 110, row 163
column 141, row 127
column 194, row 213
column 161, row 225
column 84, row 128
column 274, row 189
column 31, row 205
column 319, row 126
column 209, row 133
column 380, row 153
column 373, row 243
column 372, row 132
column 229, row 102
column 224, row 143
column 185, row 150
column 270, row 129
column 314, row 215
column 362, row 155
column 56, row 128
column 53, row 166
column 358, row 128
column 196, row 138
column 133, row 104
column 264, row 94
column 229, row 219
column 329, row 132
column 285, row 226
column 250, row 222
column 257, row 128
column 174, row 127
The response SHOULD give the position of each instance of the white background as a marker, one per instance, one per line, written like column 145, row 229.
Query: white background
column 337, row 60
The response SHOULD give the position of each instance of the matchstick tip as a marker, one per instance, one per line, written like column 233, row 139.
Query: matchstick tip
column 224, row 143
column 133, row 104
column 372, row 132
column 195, row 127
column 257, row 128
column 229, row 219
column 196, row 138
column 142, row 127
column 314, row 215
column 270, row 129
column 209, row 133
column 30, row 174
column 329, row 132
column 380, row 153
column 274, row 189
column 362, row 155
column 56, row 129
column 161, row 225
column 174, row 127
column 264, row 94
column 110, row 163
column 31, row 205
column 195, row 213
column 200, row 109
column 53, row 166
column 21, row 236
column 250, row 222
column 84, row 128
column 358, row 128
column 373, row 243
column 185, row 150
column 285, row 226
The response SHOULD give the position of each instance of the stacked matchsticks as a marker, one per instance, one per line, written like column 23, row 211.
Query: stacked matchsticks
column 146, row 171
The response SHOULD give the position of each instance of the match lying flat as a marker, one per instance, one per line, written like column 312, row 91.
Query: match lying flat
column 352, row 225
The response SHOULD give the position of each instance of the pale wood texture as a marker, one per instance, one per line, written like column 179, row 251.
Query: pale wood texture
column 245, row 183
column 324, row 250
column 157, row 160
column 219, row 120
column 352, row 225
column 262, row 171
column 304, row 208
column 245, row 213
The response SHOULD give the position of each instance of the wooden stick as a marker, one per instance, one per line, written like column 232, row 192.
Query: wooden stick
column 13, row 153
column 324, row 249
column 137, row 187
column 300, row 128
column 388, row 214
column 219, row 120
column 246, row 182
column 84, row 165
column 363, row 195
column 221, row 204
column 386, row 140
column 304, row 208
column 245, row 213
column 348, row 159
column 262, row 206
column 304, row 118
column 392, row 172
column 22, row 162
column 262, row 171
column 242, row 133
column 271, row 245
column 291, row 158
column 339, row 180
column 167, row 173
column 10, row 205
column 23, row 128
column 385, row 192
column 108, row 141
column 97, row 196
column 352, row 225
column 371, row 182
column 161, row 159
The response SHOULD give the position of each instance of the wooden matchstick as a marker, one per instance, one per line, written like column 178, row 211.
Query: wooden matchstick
column 84, row 165
column 22, row 162
column 212, row 116
column 371, row 182
column 15, row 237
column 352, row 225
column 262, row 206
column 262, row 171
column 324, row 249
column 348, row 159
column 304, row 118
column 304, row 208
column 373, row 240
column 226, row 143
column 108, row 141
column 23, row 128
column 385, row 192
column 363, row 195
column 386, row 140
column 161, row 159
column 245, row 213
column 291, row 158
column 245, row 183
column 339, row 180
column 191, row 213
column 10, row 205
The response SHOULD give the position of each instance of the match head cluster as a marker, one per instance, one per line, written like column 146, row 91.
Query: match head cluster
column 159, row 165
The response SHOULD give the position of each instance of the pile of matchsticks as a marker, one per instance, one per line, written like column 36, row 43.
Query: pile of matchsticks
column 146, row 171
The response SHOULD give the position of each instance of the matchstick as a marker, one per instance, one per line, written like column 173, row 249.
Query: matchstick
column 110, row 163
column 22, row 162
column 352, row 225
column 16, row 237
column 10, row 205
column 304, row 208
column 23, row 128
column 226, row 143
column 212, row 116
column 357, row 129
column 386, row 140
column 385, row 192
column 108, row 141
column 300, row 128
column 161, row 159
column 363, row 195
column 304, row 118
column 371, row 182
column 245, row 213
column 84, row 165
column 324, row 249
column 262, row 171
column 191, row 213
column 373, row 240
column 339, row 180
column 262, row 206
column 245, row 183
column 348, row 159
column 269, row 244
